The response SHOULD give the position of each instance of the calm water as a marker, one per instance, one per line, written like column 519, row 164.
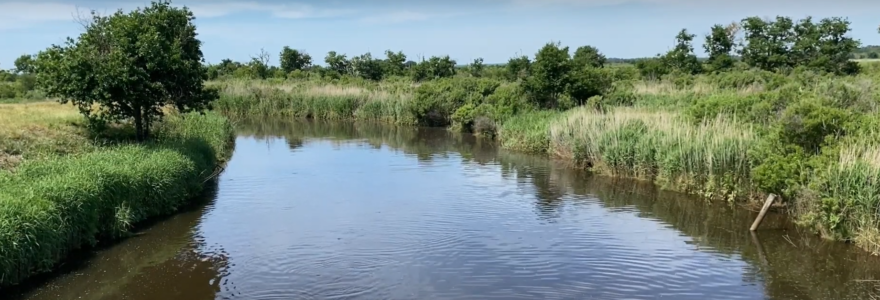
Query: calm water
column 342, row 211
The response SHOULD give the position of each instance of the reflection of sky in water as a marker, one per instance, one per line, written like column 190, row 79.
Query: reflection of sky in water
column 358, row 216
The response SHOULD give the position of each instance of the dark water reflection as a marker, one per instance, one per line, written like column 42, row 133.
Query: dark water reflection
column 342, row 211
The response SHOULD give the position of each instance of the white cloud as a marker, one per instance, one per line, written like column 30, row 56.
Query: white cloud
column 24, row 14
column 21, row 14
column 751, row 7
column 288, row 10
column 396, row 17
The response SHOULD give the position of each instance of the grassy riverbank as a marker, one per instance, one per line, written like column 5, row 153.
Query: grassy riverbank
column 63, row 188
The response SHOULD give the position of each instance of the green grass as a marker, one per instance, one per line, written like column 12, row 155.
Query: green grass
column 710, row 159
column 55, row 204
column 528, row 132
column 305, row 99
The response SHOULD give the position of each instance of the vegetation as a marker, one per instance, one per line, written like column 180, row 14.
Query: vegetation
column 777, row 107
column 130, row 147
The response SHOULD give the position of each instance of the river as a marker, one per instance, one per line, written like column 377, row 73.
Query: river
column 312, row 210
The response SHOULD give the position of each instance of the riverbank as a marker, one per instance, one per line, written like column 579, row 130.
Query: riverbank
column 733, row 136
column 806, row 137
column 63, row 187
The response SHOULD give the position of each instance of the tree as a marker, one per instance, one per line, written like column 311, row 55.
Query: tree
column 588, row 56
column 767, row 43
column 395, row 63
column 476, row 68
column 682, row 57
column 258, row 67
column 291, row 59
column 337, row 63
column 835, row 47
column 719, row 44
column 548, row 74
column 518, row 68
column 24, row 64
column 130, row 65
column 367, row 67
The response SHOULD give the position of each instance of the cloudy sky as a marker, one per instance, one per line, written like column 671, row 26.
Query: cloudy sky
column 464, row 29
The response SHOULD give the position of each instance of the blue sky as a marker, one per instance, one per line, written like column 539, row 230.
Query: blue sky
column 464, row 29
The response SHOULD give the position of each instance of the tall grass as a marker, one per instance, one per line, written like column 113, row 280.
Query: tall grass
column 528, row 132
column 306, row 99
column 710, row 158
column 51, row 206
column 843, row 201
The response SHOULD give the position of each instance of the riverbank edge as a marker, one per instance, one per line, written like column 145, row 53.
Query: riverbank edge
column 54, row 206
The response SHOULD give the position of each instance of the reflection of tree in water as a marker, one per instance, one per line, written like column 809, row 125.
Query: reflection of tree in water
column 162, row 262
column 790, row 264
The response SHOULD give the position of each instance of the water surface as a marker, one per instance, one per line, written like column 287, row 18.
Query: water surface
column 309, row 210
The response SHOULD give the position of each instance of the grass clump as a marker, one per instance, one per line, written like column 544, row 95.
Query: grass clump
column 710, row 158
column 528, row 132
column 53, row 205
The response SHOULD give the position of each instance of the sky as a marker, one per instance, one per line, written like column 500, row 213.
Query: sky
column 494, row 30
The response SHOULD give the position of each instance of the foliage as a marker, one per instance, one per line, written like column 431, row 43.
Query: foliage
column 294, row 60
column 52, row 206
column 548, row 75
column 131, row 64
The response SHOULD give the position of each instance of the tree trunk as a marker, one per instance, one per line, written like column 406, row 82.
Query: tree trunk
column 138, row 123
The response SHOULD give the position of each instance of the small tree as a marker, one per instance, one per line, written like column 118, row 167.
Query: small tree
column 719, row 44
column 258, row 67
column 588, row 56
column 291, row 59
column 24, row 64
column 394, row 63
column 548, row 74
column 518, row 68
column 367, row 67
column 337, row 63
column 682, row 57
column 131, row 65
column 476, row 68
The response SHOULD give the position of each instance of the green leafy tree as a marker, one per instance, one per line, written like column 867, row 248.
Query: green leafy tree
column 24, row 64
column 292, row 59
column 435, row 67
column 518, row 68
column 131, row 65
column 476, row 68
column 337, row 63
column 548, row 76
column 766, row 43
column 588, row 56
column 395, row 63
column 258, row 67
column 835, row 47
column 367, row 67
column 682, row 57
column 719, row 44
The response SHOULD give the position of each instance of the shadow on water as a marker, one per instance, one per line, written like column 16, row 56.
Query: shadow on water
column 788, row 262
column 520, row 225
column 165, row 248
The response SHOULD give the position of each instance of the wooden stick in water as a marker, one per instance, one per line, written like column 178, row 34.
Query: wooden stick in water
column 764, row 210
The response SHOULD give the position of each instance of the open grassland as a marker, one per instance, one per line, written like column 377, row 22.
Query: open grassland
column 63, row 189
